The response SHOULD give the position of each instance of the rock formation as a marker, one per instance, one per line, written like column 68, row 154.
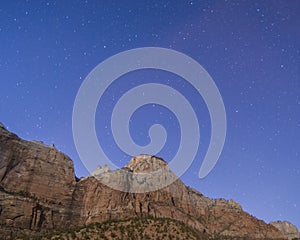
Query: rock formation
column 32, row 173
column 39, row 194
column 287, row 229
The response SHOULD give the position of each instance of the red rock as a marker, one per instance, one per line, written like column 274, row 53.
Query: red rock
column 38, row 192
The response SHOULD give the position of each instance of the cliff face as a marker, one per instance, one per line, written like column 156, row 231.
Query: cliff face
column 37, row 183
column 287, row 229
column 213, row 217
column 38, row 193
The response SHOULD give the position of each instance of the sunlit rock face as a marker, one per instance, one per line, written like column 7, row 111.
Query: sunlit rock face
column 288, row 229
column 146, row 164
column 39, row 193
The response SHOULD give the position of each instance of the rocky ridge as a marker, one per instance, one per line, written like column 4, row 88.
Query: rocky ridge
column 39, row 194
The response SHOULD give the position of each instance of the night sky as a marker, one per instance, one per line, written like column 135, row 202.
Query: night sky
column 250, row 48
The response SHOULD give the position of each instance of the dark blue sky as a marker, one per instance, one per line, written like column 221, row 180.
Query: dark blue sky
column 250, row 48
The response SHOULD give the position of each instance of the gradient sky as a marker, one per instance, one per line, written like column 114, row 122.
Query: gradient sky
column 250, row 48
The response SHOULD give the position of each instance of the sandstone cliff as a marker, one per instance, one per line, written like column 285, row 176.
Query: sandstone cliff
column 39, row 194
column 287, row 229
column 36, row 185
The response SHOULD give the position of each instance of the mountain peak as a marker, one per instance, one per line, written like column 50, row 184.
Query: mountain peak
column 40, row 181
column 145, row 163
column 287, row 228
